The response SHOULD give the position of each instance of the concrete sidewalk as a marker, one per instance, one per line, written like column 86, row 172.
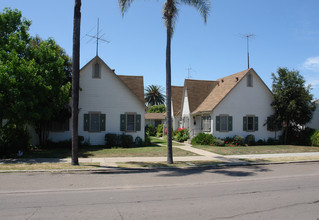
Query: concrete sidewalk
column 202, row 156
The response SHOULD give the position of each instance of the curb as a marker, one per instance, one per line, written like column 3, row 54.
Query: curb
column 146, row 169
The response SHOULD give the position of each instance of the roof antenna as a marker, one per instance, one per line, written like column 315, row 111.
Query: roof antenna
column 98, row 37
column 248, row 36
column 189, row 69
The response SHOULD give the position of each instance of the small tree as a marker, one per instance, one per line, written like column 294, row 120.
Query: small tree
column 157, row 109
column 292, row 100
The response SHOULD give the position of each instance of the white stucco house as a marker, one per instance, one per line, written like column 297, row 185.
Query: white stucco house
column 108, row 103
column 238, row 104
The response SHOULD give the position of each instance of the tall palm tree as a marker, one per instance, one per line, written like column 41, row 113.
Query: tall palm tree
column 170, row 12
column 75, row 80
column 153, row 95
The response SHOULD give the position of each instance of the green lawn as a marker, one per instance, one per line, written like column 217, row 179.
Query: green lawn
column 162, row 141
column 267, row 149
column 46, row 166
column 154, row 150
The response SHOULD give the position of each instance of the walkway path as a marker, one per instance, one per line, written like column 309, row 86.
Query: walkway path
column 202, row 156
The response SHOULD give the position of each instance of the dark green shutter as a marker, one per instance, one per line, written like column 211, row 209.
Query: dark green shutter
column 102, row 122
column 201, row 122
column 210, row 123
column 217, row 123
column 268, row 124
column 230, row 123
column 138, row 122
column 245, row 123
column 256, row 124
column 123, row 122
column 86, row 122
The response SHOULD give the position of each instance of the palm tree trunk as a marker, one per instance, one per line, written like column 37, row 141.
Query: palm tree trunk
column 168, row 93
column 75, row 80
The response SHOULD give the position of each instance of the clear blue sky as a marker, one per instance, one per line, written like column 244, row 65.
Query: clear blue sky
column 287, row 35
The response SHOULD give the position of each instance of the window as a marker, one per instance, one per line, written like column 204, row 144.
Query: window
column 249, row 80
column 250, row 123
column 96, row 71
column 60, row 126
column 224, row 123
column 130, row 122
column 206, row 123
column 94, row 122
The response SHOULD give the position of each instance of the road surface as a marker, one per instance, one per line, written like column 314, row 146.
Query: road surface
column 286, row 191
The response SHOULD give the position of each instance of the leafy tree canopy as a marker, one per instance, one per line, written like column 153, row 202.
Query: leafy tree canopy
column 292, row 99
column 34, row 74
column 157, row 109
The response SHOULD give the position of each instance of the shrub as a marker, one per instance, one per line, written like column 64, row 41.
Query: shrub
column 181, row 134
column 305, row 136
column 147, row 140
column 203, row 139
column 138, row 142
column 315, row 138
column 126, row 140
column 239, row 140
column 112, row 140
column 260, row 142
column 271, row 141
column 12, row 140
column 250, row 140
column 218, row 142
column 150, row 130
column 159, row 132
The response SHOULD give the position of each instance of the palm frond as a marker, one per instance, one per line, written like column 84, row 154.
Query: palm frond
column 124, row 5
column 203, row 6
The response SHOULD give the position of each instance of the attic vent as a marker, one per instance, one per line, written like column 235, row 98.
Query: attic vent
column 236, row 79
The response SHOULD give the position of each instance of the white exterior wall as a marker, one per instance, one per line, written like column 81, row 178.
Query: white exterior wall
column 243, row 101
column 314, row 123
column 107, row 95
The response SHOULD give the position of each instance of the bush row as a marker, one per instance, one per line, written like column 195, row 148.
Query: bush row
column 125, row 140
column 237, row 140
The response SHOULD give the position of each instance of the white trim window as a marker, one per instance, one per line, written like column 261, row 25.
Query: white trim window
column 224, row 123
column 250, row 123
column 206, row 123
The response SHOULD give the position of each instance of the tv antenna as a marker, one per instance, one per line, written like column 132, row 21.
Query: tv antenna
column 189, row 72
column 247, row 36
column 98, row 37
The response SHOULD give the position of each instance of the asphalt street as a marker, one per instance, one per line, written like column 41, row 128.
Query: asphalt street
column 285, row 191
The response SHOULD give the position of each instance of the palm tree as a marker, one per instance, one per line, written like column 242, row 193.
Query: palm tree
column 75, row 80
column 170, row 12
column 154, row 96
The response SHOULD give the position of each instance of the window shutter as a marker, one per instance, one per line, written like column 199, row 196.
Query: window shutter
column 138, row 122
column 102, row 122
column 209, row 123
column 268, row 124
column 256, row 124
column 230, row 123
column 217, row 123
column 123, row 122
column 201, row 123
column 245, row 123
column 86, row 122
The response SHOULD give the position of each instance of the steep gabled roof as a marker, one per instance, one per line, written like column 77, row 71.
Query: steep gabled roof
column 135, row 84
column 177, row 95
column 197, row 91
column 225, row 85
